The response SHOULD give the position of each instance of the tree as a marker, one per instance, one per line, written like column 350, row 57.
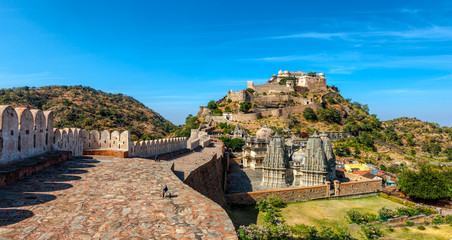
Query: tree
column 428, row 183
column 245, row 106
column 309, row 114
column 250, row 90
column 330, row 115
column 212, row 105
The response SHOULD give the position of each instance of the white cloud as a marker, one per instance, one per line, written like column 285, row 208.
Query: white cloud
column 436, row 33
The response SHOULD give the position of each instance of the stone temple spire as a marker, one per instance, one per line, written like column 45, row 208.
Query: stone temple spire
column 275, row 167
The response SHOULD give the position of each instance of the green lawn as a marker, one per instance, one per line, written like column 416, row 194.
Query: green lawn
column 333, row 213
column 443, row 232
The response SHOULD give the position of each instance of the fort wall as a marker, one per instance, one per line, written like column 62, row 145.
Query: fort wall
column 274, row 112
column 341, row 190
column 25, row 133
column 208, row 179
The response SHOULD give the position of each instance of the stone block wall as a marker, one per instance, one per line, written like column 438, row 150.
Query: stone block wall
column 25, row 133
column 341, row 190
column 274, row 112
column 286, row 194
column 151, row 148
column 357, row 187
column 208, row 179
column 198, row 138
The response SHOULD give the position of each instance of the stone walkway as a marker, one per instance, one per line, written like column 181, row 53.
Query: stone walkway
column 184, row 164
column 109, row 198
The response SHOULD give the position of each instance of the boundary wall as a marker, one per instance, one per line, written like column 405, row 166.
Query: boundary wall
column 197, row 139
column 275, row 112
column 25, row 133
column 118, row 144
column 341, row 190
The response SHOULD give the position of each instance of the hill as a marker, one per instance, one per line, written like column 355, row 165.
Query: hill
column 90, row 109
column 401, row 140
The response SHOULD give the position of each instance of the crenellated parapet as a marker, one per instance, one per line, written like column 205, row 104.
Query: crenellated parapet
column 156, row 147
column 106, row 140
column 26, row 133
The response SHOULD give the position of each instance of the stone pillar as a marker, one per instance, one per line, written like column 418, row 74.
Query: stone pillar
column 337, row 188
column 328, row 187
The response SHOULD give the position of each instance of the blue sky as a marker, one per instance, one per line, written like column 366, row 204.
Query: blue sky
column 395, row 56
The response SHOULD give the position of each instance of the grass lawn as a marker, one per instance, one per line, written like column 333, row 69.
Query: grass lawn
column 443, row 232
column 333, row 213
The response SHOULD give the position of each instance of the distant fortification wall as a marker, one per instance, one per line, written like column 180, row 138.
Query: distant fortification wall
column 273, row 87
column 274, row 112
column 25, row 133
column 341, row 190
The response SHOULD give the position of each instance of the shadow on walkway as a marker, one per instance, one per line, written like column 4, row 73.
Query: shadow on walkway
column 29, row 191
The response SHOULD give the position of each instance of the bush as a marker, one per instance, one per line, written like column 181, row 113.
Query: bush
column 428, row 183
column 438, row 220
column 372, row 232
column 245, row 106
column 309, row 114
column 255, row 232
column 409, row 223
column 385, row 213
column 448, row 219
column 212, row 105
column 355, row 216
column 250, row 90
column 420, row 227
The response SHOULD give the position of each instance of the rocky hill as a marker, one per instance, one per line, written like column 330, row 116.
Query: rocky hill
column 397, row 141
column 87, row 108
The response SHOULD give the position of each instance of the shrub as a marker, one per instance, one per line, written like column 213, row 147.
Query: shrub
column 255, row 232
column 409, row 223
column 355, row 216
column 448, row 219
column 438, row 220
column 420, row 227
column 385, row 213
column 245, row 106
column 426, row 223
column 229, row 100
column 212, row 105
column 250, row 90
column 372, row 232
column 309, row 114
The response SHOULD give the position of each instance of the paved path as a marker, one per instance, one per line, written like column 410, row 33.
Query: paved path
column 184, row 164
column 109, row 198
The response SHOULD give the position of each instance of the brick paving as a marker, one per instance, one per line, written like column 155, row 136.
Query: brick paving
column 109, row 198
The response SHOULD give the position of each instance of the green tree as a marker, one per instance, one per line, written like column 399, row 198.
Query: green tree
column 212, row 105
column 427, row 183
column 250, row 90
column 309, row 114
column 330, row 115
column 245, row 106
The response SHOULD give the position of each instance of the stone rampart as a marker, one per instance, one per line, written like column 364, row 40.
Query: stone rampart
column 157, row 147
column 341, row 190
column 273, row 87
column 243, row 117
column 208, row 179
column 357, row 187
column 25, row 133
column 274, row 112
column 287, row 195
